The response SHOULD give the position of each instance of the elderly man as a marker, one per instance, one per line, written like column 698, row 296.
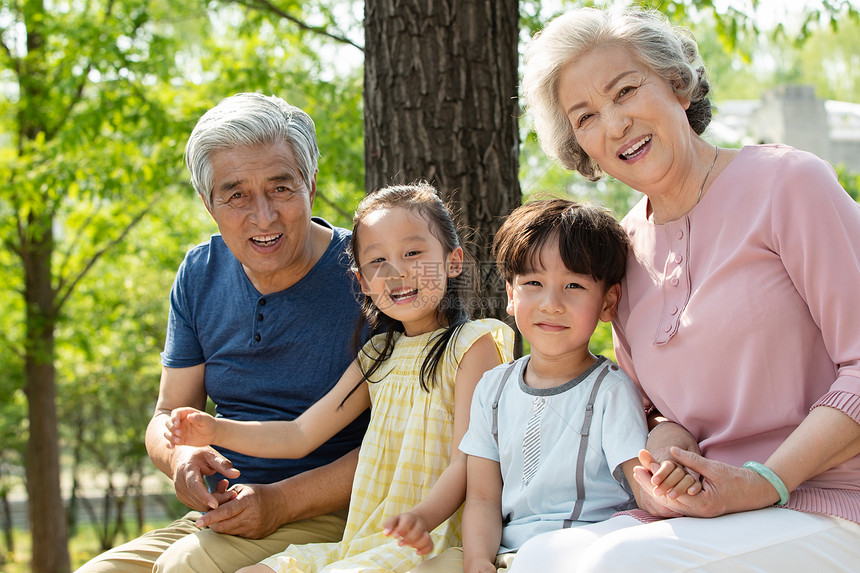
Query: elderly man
column 260, row 321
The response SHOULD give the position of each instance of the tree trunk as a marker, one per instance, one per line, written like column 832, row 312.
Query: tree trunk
column 50, row 552
column 440, row 94
column 47, row 518
column 8, row 538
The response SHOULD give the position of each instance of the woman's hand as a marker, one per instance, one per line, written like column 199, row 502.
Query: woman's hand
column 662, row 475
column 725, row 488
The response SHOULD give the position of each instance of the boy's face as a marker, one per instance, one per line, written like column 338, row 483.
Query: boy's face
column 556, row 310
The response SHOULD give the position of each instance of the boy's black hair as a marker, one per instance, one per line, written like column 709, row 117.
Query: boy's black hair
column 590, row 240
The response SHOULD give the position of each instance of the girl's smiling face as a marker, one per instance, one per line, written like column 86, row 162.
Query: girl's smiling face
column 404, row 268
column 625, row 116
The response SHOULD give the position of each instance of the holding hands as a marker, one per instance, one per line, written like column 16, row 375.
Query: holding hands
column 676, row 480
column 723, row 489
column 191, row 427
column 659, row 475
column 669, row 478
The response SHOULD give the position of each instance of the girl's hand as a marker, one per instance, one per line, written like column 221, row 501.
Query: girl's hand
column 190, row 427
column 409, row 529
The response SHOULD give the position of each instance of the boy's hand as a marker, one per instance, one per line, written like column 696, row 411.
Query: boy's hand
column 670, row 479
column 190, row 427
column 409, row 529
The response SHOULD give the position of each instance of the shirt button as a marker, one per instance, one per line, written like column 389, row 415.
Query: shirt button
column 679, row 258
column 257, row 337
column 668, row 328
column 259, row 317
column 262, row 302
column 674, row 310
column 680, row 234
column 674, row 281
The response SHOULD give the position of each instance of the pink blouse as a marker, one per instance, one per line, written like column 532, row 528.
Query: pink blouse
column 739, row 318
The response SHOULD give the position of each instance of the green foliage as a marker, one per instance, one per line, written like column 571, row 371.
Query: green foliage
column 97, row 101
column 601, row 341
column 108, row 359
column 541, row 176
column 100, row 103
column 849, row 181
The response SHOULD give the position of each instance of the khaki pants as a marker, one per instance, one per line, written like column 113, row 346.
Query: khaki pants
column 182, row 547
column 451, row 561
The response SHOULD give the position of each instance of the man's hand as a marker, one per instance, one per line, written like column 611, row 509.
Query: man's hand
column 409, row 529
column 247, row 514
column 190, row 465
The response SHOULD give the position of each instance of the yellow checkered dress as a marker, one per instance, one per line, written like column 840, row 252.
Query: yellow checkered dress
column 405, row 450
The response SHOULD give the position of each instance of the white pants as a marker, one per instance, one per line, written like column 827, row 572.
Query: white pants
column 772, row 540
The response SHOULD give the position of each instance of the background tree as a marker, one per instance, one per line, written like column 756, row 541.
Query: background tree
column 102, row 96
column 90, row 153
column 440, row 87
column 95, row 213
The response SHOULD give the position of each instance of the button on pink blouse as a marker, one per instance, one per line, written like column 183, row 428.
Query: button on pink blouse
column 739, row 318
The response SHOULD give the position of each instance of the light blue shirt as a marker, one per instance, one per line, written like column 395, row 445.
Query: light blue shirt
column 617, row 433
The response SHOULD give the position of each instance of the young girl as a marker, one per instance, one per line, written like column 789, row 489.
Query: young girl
column 417, row 376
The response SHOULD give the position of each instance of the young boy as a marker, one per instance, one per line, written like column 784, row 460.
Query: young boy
column 554, row 436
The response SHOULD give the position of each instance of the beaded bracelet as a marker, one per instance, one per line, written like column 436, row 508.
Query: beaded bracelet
column 771, row 478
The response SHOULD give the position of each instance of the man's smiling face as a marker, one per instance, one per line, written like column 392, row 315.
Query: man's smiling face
column 263, row 209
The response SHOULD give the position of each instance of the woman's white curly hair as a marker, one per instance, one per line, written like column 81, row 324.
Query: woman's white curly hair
column 670, row 51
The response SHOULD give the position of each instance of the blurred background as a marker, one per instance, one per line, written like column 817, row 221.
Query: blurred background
column 96, row 211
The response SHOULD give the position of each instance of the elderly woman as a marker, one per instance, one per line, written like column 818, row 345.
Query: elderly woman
column 740, row 316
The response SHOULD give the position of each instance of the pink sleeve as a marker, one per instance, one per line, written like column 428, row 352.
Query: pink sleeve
column 816, row 232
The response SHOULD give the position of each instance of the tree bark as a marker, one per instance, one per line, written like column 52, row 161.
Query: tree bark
column 440, row 80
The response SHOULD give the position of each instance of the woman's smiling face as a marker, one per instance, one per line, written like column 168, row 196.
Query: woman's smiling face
column 626, row 117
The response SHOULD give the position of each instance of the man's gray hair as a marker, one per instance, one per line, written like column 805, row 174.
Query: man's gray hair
column 248, row 120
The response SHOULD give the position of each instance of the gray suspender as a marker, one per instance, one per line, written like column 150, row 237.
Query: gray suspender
column 583, row 442
column 583, row 447
column 504, row 379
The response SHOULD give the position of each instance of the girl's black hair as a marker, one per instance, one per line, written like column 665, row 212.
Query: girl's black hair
column 423, row 200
